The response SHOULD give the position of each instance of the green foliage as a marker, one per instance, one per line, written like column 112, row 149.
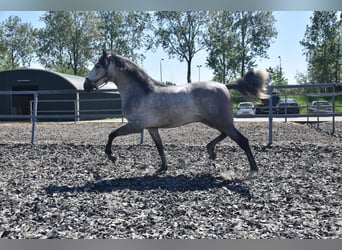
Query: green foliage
column 125, row 32
column 302, row 78
column 181, row 34
column 221, row 46
column 71, row 40
column 236, row 39
column 277, row 76
column 323, row 47
column 255, row 31
column 68, row 41
column 17, row 43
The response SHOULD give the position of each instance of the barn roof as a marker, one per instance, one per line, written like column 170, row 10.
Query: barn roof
column 75, row 81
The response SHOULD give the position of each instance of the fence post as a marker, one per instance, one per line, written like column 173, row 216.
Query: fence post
column 307, row 108
column 75, row 112
column 270, row 116
column 34, row 116
column 142, row 137
column 31, row 110
column 285, row 110
column 333, row 109
column 77, row 107
column 317, row 126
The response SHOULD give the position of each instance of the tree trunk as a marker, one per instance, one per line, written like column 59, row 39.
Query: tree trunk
column 224, row 69
column 188, row 75
column 243, row 42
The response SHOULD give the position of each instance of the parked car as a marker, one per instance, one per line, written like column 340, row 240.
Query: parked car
column 263, row 108
column 288, row 106
column 245, row 109
column 319, row 106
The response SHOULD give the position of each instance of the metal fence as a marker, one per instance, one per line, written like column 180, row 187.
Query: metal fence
column 332, row 94
column 75, row 114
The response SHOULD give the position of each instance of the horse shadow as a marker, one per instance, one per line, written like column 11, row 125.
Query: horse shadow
column 180, row 183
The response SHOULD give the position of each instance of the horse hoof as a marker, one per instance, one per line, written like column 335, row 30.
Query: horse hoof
column 212, row 156
column 113, row 158
column 160, row 171
column 251, row 174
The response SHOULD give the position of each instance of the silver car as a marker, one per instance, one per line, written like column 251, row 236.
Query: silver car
column 245, row 109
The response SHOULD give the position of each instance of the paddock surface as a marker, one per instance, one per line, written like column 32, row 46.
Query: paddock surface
column 64, row 187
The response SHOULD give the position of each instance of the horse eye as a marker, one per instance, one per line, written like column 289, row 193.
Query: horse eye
column 97, row 66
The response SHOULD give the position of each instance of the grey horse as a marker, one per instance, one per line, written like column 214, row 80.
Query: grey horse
column 147, row 104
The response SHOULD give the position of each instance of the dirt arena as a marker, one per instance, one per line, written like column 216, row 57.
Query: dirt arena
column 64, row 187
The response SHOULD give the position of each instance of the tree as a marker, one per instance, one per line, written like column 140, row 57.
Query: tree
column 125, row 32
column 17, row 43
column 236, row 39
column 68, row 41
column 2, row 47
column 181, row 34
column 302, row 77
column 255, row 31
column 322, row 44
column 221, row 46
column 277, row 76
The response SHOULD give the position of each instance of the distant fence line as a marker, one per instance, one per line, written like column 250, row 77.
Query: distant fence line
column 74, row 111
column 103, row 113
column 332, row 94
column 75, row 114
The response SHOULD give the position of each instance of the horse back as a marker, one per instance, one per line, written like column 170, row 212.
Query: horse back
column 179, row 105
column 209, row 94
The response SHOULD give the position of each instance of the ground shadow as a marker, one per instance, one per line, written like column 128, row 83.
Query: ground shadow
column 180, row 183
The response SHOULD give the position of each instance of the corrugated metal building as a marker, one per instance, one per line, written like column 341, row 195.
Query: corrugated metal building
column 51, row 102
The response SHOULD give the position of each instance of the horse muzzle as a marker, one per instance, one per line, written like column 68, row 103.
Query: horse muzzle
column 87, row 85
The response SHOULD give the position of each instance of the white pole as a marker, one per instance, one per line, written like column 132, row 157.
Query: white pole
column 161, row 70
column 199, row 72
column 34, row 116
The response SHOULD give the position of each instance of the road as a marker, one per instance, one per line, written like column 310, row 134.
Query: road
column 289, row 119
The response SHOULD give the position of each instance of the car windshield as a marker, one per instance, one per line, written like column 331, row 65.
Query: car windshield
column 283, row 101
column 245, row 105
column 321, row 103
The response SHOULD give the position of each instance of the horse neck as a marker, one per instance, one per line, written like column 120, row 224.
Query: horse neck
column 128, row 86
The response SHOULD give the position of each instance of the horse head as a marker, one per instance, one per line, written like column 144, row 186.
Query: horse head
column 98, row 76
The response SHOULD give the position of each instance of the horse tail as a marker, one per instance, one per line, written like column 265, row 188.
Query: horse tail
column 252, row 84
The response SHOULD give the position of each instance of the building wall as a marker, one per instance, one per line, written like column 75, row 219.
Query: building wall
column 41, row 80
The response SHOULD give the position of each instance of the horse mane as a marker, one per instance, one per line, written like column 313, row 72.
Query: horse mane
column 145, row 81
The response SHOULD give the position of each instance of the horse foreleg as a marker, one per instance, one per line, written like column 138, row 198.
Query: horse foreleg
column 157, row 140
column 124, row 130
column 242, row 141
column 211, row 146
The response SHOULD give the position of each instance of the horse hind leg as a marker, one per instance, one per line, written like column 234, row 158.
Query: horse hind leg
column 211, row 146
column 242, row 141
column 157, row 140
